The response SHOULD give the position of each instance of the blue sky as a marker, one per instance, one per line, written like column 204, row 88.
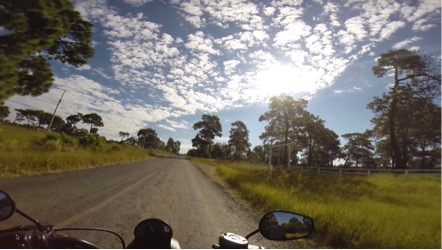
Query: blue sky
column 162, row 64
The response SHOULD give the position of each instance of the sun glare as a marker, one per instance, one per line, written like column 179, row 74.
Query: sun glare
column 277, row 79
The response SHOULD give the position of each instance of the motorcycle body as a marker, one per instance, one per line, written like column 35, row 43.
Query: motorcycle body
column 150, row 233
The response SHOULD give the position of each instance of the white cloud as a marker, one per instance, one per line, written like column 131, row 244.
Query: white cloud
column 406, row 42
column 391, row 28
column 137, row 3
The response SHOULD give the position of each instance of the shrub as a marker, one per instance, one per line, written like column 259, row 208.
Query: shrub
column 51, row 146
column 62, row 139
column 92, row 141
column 67, row 140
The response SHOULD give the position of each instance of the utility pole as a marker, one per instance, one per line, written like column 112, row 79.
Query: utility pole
column 53, row 115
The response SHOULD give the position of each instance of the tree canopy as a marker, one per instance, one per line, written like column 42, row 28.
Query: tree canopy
column 239, row 140
column 93, row 119
column 208, row 127
column 414, row 76
column 38, row 31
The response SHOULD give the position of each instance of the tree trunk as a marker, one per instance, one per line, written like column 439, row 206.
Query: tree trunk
column 423, row 158
column 397, row 159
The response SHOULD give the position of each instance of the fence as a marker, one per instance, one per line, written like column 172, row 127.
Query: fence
column 368, row 172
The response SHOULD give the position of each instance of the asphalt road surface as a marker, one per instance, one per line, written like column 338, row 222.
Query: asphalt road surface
column 120, row 196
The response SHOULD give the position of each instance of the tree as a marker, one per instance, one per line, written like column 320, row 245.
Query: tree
column 170, row 145
column 42, row 117
column 27, row 114
column 38, row 31
column 283, row 121
column 131, row 141
column 219, row 151
column 123, row 135
column 239, row 139
column 148, row 138
column 328, row 148
column 94, row 120
column 58, row 124
column 414, row 72
column 4, row 112
column 358, row 150
column 319, row 144
column 209, row 127
column 74, row 119
column 417, row 128
column 173, row 146
column 176, row 147
column 259, row 154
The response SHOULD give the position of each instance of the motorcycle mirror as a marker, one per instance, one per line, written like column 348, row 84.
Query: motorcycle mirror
column 283, row 225
column 7, row 206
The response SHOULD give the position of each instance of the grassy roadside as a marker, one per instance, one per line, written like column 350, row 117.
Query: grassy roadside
column 381, row 211
column 22, row 152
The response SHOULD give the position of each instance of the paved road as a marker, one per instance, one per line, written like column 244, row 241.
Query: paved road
column 118, row 197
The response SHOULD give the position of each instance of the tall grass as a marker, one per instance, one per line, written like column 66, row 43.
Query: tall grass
column 380, row 211
column 23, row 152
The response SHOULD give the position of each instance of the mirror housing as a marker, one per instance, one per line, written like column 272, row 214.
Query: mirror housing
column 7, row 206
column 284, row 225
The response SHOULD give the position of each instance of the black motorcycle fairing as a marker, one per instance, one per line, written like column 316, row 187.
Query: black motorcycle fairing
column 69, row 243
column 152, row 233
column 23, row 239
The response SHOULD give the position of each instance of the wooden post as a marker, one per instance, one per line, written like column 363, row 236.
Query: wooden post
column 270, row 159
column 288, row 165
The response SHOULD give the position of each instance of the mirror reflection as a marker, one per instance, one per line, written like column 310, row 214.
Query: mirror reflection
column 6, row 206
column 280, row 225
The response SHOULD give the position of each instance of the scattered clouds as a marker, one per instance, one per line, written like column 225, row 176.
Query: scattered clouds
column 218, row 55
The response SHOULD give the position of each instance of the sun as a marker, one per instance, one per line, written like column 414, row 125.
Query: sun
column 280, row 78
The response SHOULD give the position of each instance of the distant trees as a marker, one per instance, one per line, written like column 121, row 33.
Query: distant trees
column 39, row 118
column 39, row 31
column 4, row 112
column 72, row 120
column 173, row 146
column 148, row 138
column 123, row 135
column 239, row 140
column 94, row 120
column 288, row 122
column 209, row 127
column 359, row 151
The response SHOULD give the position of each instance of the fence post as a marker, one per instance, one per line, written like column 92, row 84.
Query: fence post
column 368, row 172
column 340, row 171
column 319, row 170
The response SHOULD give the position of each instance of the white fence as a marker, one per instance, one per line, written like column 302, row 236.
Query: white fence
column 368, row 172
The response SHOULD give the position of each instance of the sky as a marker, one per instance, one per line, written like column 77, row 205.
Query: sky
column 163, row 64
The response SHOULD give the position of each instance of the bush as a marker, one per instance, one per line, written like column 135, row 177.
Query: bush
column 92, row 141
column 115, row 148
column 51, row 146
column 62, row 139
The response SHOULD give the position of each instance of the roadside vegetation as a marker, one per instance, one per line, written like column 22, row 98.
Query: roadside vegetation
column 380, row 211
column 24, row 150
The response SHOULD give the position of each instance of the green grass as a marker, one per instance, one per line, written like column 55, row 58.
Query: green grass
column 380, row 211
column 21, row 155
